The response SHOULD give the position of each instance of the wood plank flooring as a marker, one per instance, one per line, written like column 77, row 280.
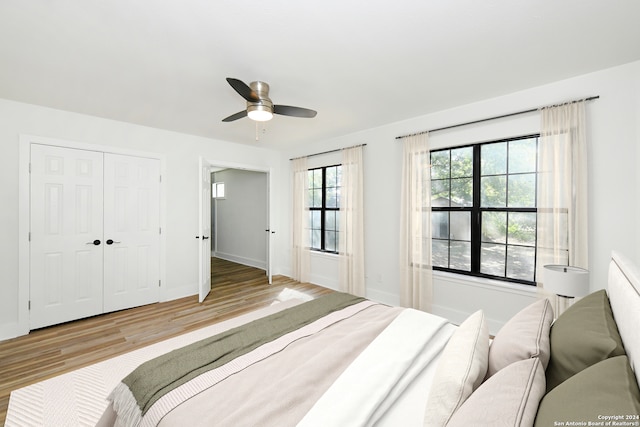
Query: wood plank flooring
column 47, row 352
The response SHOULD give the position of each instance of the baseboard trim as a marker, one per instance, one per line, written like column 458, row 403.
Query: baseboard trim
column 249, row 262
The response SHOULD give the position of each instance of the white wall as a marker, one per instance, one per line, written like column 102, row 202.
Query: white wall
column 242, row 218
column 180, row 180
column 614, row 138
column 614, row 199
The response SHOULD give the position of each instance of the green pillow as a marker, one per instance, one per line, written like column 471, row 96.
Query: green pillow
column 604, row 389
column 583, row 335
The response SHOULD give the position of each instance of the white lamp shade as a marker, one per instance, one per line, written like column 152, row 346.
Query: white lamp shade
column 566, row 281
column 259, row 112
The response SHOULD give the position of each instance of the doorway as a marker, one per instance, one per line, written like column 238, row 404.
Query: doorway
column 239, row 216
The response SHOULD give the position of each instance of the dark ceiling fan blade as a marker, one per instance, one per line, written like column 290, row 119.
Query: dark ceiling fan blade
column 236, row 116
column 287, row 110
column 245, row 91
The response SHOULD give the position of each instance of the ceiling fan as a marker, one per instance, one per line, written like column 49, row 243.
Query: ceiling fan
column 259, row 105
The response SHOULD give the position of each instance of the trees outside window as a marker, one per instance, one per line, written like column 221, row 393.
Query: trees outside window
column 483, row 200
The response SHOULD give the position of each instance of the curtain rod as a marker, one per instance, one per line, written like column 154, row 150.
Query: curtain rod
column 496, row 117
column 330, row 151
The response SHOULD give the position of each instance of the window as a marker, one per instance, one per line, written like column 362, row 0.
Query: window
column 323, row 192
column 217, row 190
column 484, row 213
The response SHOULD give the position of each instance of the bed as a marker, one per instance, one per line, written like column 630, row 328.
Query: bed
column 341, row 360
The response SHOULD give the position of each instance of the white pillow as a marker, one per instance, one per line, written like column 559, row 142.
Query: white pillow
column 509, row 398
column 524, row 336
column 461, row 369
column 623, row 288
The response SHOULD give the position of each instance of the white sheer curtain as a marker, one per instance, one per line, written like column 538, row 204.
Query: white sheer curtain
column 300, row 259
column 562, row 188
column 351, row 229
column 415, row 228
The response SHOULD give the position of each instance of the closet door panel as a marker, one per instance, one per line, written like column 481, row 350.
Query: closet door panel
column 131, row 231
column 66, row 219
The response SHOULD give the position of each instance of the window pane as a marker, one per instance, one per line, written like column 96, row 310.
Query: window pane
column 462, row 162
column 521, row 262
column 522, row 156
column 440, row 253
column 331, row 177
column 461, row 226
column 492, row 258
column 440, row 225
column 315, row 239
column 315, row 220
column 494, row 227
column 440, row 192
column 522, row 191
column 460, row 256
column 315, row 198
column 462, row 192
column 332, row 198
column 317, row 178
column 330, row 220
column 493, row 193
column 522, row 228
column 330, row 241
column 493, row 159
column 440, row 164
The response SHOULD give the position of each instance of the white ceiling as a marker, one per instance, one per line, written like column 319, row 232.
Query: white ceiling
column 360, row 64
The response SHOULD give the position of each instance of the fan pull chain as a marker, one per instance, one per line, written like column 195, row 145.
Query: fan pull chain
column 264, row 130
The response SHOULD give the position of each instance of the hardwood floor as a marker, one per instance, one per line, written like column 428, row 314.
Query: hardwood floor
column 47, row 352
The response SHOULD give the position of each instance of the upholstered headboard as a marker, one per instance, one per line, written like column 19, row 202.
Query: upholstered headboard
column 623, row 288
column 595, row 349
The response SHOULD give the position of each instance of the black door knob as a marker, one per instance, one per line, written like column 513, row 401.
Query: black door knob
column 96, row 242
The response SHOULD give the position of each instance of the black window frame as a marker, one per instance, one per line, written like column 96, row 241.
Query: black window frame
column 476, row 211
column 323, row 210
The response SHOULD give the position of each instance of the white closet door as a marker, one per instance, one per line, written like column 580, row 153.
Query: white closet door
column 131, row 231
column 66, row 219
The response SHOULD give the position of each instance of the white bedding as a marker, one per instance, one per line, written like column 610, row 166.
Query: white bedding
column 79, row 398
column 381, row 374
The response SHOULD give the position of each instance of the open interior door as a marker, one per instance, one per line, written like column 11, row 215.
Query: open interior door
column 270, row 230
column 204, row 229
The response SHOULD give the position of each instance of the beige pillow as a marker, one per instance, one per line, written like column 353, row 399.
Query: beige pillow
column 509, row 398
column 524, row 336
column 461, row 369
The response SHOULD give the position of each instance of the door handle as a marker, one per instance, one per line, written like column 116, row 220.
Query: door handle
column 95, row 242
column 111, row 242
column 205, row 237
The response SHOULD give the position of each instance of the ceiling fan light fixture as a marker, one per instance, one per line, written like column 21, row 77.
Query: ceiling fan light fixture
column 260, row 112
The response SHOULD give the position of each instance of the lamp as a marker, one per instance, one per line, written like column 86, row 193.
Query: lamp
column 566, row 282
column 259, row 112
column 262, row 109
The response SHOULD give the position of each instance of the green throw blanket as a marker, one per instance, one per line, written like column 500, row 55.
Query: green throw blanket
column 151, row 380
